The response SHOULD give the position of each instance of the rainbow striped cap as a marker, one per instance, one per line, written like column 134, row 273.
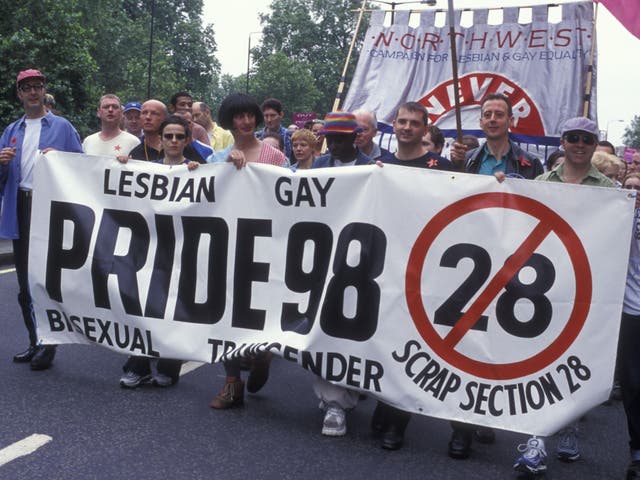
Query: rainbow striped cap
column 340, row 123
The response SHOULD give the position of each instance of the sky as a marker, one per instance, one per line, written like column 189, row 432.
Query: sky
column 618, row 52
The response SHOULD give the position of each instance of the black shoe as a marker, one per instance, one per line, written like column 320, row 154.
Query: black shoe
column 379, row 418
column 259, row 372
column 396, row 422
column 393, row 438
column 460, row 444
column 26, row 356
column 633, row 471
column 43, row 357
column 616, row 392
column 485, row 435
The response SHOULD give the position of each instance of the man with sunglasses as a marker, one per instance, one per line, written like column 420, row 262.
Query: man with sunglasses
column 37, row 131
column 174, row 133
column 579, row 139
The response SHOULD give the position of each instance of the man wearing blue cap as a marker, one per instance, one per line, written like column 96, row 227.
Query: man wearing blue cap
column 37, row 131
column 132, row 123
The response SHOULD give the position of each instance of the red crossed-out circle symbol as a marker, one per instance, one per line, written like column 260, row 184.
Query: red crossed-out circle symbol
column 549, row 222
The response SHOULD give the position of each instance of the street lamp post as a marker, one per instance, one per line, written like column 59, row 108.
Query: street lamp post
column 249, row 58
column 153, row 8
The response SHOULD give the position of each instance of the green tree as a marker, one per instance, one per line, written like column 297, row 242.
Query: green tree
column 631, row 135
column 91, row 47
column 48, row 35
column 288, row 80
column 183, row 56
column 227, row 84
column 315, row 34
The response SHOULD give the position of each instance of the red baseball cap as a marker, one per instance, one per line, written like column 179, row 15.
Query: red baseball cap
column 30, row 73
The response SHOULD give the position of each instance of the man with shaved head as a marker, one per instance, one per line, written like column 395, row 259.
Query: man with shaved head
column 153, row 113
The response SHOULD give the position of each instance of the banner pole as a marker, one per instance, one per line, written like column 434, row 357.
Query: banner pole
column 343, row 78
column 454, row 65
column 587, row 88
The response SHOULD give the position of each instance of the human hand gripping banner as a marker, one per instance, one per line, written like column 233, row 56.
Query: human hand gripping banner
column 541, row 66
column 445, row 294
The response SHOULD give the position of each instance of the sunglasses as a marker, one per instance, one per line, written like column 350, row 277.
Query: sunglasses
column 28, row 88
column 171, row 136
column 586, row 138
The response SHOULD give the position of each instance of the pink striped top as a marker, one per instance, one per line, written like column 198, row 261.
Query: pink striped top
column 271, row 155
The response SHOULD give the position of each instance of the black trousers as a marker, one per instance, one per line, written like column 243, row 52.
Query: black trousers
column 629, row 363
column 21, row 259
column 142, row 366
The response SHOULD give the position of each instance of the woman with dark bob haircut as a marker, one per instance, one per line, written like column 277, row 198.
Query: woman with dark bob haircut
column 238, row 103
column 241, row 115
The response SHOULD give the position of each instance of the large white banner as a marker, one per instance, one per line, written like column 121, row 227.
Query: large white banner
column 541, row 66
column 443, row 293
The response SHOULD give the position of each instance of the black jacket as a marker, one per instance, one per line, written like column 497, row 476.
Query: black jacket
column 518, row 162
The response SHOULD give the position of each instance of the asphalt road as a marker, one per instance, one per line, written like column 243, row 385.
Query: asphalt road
column 100, row 431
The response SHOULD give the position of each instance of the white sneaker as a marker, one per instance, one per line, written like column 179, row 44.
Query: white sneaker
column 335, row 422
column 132, row 380
column 532, row 458
column 567, row 449
column 162, row 380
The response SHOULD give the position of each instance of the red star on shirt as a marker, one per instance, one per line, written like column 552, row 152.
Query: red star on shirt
column 117, row 148
column 432, row 163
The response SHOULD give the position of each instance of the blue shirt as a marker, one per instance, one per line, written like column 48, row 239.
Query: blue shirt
column 490, row 164
column 56, row 133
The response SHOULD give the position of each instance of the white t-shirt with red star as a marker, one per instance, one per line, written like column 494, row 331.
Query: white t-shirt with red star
column 120, row 145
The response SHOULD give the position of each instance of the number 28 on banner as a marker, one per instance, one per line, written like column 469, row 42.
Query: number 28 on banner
column 498, row 282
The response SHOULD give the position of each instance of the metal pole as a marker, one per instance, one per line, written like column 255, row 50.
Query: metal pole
column 454, row 65
column 249, row 59
column 153, row 8
column 248, row 62
column 587, row 88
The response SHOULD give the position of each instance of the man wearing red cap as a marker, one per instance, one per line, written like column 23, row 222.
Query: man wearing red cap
column 37, row 131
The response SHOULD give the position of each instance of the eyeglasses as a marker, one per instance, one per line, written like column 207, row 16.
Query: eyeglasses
column 586, row 138
column 171, row 136
column 632, row 187
column 28, row 88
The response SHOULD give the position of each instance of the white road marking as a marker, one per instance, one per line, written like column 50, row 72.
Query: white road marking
column 8, row 270
column 188, row 367
column 24, row 447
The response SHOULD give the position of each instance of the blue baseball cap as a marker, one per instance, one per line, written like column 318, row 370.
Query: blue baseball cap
column 133, row 106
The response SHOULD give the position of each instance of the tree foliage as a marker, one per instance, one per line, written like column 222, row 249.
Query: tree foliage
column 51, row 36
column 631, row 135
column 289, row 81
column 314, row 36
column 91, row 47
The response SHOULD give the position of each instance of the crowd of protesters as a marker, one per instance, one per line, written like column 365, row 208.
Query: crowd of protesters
column 185, row 134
